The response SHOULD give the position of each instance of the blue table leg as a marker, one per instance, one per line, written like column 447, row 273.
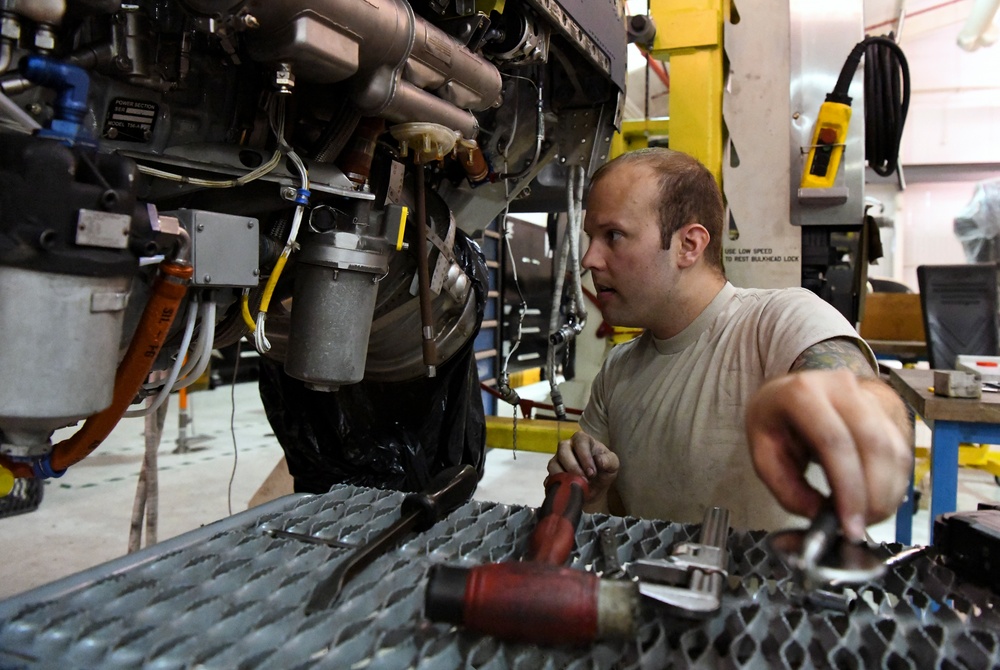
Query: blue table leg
column 945, row 439
column 904, row 516
column 907, row 508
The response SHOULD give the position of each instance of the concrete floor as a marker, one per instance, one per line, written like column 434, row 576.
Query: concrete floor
column 84, row 517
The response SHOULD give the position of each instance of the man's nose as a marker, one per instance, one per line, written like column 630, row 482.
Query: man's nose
column 592, row 258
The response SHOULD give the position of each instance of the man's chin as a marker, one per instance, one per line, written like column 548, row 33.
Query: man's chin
column 620, row 320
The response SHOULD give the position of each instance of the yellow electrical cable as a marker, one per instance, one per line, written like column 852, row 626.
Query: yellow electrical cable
column 245, row 311
column 272, row 281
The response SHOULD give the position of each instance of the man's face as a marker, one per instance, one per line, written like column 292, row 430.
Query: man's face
column 634, row 276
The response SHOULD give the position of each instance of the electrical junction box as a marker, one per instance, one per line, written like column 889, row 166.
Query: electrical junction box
column 987, row 367
column 225, row 251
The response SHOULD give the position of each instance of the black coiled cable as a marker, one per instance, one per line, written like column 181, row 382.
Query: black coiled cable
column 887, row 99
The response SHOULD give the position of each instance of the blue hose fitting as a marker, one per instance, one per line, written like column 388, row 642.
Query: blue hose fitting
column 302, row 196
column 71, row 84
column 42, row 468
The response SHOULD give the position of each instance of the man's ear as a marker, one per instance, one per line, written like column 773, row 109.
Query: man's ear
column 693, row 239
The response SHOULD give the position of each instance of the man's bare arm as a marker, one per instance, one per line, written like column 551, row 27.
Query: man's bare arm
column 834, row 354
column 845, row 353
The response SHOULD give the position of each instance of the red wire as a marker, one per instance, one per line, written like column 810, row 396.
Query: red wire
column 914, row 13
column 657, row 67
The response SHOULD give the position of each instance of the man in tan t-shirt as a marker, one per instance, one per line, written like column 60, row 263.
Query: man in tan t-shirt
column 730, row 393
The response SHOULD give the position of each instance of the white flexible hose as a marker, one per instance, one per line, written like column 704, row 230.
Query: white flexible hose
column 577, row 178
column 569, row 251
column 193, row 361
column 568, row 257
column 207, row 339
column 180, row 363
column 174, row 370
column 562, row 257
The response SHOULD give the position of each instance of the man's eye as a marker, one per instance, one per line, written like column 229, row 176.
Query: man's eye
column 614, row 235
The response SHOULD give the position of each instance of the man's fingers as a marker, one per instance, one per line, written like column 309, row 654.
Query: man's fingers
column 575, row 455
column 877, row 459
column 792, row 415
column 606, row 461
column 554, row 467
column 782, row 471
column 827, row 417
column 887, row 457
column 835, row 448
column 583, row 449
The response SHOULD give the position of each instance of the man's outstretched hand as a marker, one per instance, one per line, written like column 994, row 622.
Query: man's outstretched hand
column 856, row 429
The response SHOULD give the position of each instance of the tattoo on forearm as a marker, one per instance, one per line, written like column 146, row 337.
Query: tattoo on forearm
column 839, row 352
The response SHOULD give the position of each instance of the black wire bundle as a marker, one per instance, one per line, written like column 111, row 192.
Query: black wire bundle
column 887, row 98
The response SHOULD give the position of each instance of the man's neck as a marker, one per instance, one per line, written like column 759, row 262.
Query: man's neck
column 694, row 294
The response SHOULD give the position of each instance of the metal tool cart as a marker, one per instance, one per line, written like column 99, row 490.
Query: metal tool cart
column 233, row 595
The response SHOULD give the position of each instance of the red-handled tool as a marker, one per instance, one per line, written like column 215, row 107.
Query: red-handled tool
column 555, row 534
column 539, row 600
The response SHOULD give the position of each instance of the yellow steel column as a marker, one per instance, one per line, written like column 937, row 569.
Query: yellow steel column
column 635, row 134
column 689, row 33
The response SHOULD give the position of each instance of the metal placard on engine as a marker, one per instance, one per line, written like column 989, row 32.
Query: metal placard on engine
column 130, row 120
column 102, row 229
column 224, row 248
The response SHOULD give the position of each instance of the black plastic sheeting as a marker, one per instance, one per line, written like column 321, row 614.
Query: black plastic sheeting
column 388, row 435
column 977, row 226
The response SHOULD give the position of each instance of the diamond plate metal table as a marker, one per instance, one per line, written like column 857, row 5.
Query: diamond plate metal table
column 231, row 596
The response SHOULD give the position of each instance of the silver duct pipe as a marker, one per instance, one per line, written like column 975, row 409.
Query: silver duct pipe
column 392, row 57
column 410, row 103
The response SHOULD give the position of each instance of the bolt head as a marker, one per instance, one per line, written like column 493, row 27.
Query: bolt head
column 207, row 279
column 45, row 40
column 10, row 28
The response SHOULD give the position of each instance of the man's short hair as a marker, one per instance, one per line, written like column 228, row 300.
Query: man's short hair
column 688, row 193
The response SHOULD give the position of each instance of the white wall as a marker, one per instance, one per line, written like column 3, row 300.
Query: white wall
column 922, row 233
column 953, row 122
column 954, row 119
column 955, row 108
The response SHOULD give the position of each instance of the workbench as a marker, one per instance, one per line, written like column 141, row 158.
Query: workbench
column 952, row 421
column 903, row 350
column 228, row 595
